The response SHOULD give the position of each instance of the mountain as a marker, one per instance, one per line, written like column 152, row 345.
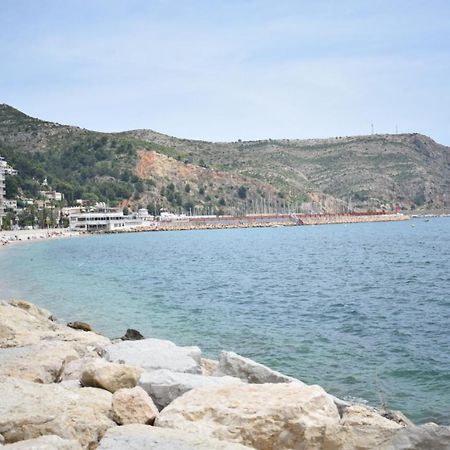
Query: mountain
column 146, row 168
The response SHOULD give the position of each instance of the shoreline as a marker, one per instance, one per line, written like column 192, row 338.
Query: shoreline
column 16, row 237
column 127, row 392
column 39, row 235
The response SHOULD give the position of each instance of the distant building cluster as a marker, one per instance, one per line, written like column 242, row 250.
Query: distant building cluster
column 5, row 169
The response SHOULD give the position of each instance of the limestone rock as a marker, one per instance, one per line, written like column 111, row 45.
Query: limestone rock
column 26, row 325
column 133, row 406
column 50, row 442
column 29, row 410
column 139, row 437
column 363, row 429
column 264, row 416
column 110, row 376
column 73, row 368
column 424, row 437
column 235, row 365
column 208, row 366
column 153, row 354
column 164, row 386
column 34, row 310
column 41, row 362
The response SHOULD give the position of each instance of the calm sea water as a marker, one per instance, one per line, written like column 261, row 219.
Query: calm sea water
column 363, row 309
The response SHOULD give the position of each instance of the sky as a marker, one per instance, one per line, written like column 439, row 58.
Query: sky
column 231, row 69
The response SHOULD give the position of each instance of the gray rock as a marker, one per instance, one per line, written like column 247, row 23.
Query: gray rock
column 235, row 365
column 154, row 354
column 139, row 437
column 164, row 386
column 424, row 437
column 50, row 442
column 132, row 335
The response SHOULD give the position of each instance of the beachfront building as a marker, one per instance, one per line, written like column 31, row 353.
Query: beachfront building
column 5, row 169
column 102, row 218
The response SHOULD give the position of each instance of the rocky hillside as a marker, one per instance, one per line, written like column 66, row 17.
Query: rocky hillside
column 145, row 168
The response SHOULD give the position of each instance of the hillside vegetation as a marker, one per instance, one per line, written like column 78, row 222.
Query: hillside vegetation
column 145, row 168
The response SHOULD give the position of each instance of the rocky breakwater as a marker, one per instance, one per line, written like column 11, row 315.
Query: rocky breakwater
column 65, row 388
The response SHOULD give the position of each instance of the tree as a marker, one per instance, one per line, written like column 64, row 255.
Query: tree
column 242, row 192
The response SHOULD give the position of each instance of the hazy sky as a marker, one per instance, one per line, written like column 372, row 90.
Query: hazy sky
column 228, row 70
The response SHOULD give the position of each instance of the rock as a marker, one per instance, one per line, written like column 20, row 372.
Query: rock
column 361, row 428
column 235, row 365
column 110, row 376
column 80, row 326
column 264, row 416
column 73, row 368
column 397, row 416
column 139, row 437
column 133, row 406
column 154, row 354
column 26, row 325
column 41, row 363
column 34, row 310
column 29, row 410
column 132, row 335
column 208, row 366
column 424, row 437
column 164, row 386
column 50, row 442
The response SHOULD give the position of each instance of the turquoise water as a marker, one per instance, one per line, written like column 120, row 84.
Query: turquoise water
column 361, row 309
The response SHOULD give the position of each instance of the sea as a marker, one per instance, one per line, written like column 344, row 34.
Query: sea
column 361, row 309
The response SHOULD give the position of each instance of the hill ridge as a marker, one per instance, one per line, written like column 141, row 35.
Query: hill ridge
column 409, row 170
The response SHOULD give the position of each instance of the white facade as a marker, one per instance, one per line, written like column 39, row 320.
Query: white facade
column 108, row 220
column 5, row 169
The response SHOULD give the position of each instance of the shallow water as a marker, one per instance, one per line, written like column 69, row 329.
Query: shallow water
column 361, row 309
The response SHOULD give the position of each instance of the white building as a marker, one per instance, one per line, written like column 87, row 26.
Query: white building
column 52, row 195
column 5, row 169
column 108, row 219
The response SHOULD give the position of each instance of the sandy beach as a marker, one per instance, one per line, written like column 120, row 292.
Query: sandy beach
column 8, row 237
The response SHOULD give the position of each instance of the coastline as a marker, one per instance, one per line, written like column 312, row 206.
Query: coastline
column 15, row 237
column 37, row 235
column 136, row 392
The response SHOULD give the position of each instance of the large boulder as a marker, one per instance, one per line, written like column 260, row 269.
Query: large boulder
column 154, row 354
column 22, row 324
column 73, row 368
column 208, row 366
column 133, row 406
column 264, row 416
column 110, row 376
column 424, row 437
column 50, row 442
column 139, row 437
column 164, row 386
column 29, row 410
column 361, row 428
column 235, row 365
column 41, row 362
